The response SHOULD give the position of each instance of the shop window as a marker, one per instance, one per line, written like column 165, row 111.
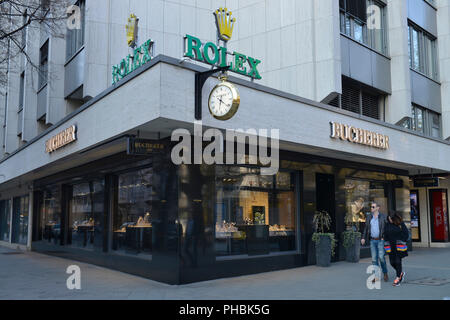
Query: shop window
column 439, row 215
column 132, row 223
column 5, row 219
column 86, row 215
column 20, row 220
column 358, row 196
column 415, row 215
column 50, row 215
column 254, row 214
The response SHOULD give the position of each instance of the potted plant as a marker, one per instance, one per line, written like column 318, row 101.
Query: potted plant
column 325, row 242
column 351, row 240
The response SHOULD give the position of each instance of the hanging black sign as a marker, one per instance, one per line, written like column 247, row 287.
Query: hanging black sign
column 143, row 147
column 426, row 182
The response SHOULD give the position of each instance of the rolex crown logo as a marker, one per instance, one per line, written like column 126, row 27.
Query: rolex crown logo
column 225, row 24
column 131, row 28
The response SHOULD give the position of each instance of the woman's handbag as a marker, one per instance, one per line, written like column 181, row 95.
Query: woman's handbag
column 401, row 246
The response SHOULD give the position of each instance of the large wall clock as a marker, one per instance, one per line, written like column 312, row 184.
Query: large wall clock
column 224, row 100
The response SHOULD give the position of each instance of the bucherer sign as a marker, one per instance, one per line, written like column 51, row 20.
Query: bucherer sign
column 62, row 139
column 359, row 136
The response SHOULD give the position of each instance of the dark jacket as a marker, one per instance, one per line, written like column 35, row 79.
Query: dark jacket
column 381, row 222
column 393, row 234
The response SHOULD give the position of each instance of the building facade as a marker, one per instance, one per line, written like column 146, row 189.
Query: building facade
column 359, row 91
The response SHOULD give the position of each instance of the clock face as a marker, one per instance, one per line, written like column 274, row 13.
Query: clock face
column 224, row 101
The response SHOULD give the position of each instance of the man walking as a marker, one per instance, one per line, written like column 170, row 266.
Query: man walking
column 374, row 232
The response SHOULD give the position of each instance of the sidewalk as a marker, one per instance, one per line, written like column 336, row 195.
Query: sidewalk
column 30, row 275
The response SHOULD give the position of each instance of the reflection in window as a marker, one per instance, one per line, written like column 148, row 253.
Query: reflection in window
column 358, row 197
column 355, row 16
column 43, row 65
column 435, row 125
column 423, row 52
column 415, row 58
column 75, row 37
column 20, row 220
column 51, row 215
column 132, row 230
column 419, row 117
column 359, row 32
column 5, row 219
column 415, row 215
column 254, row 214
column 425, row 121
column 86, row 212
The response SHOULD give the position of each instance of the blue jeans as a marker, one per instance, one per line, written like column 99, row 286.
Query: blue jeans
column 377, row 252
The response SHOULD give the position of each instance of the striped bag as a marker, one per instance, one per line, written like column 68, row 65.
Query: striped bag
column 401, row 246
column 387, row 247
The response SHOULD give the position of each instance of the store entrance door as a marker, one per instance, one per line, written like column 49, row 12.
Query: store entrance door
column 325, row 199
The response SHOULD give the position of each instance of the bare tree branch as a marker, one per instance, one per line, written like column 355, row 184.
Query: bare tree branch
column 19, row 15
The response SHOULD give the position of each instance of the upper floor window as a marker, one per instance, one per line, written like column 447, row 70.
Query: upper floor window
column 22, row 90
column 359, row 100
column 5, row 114
column 43, row 65
column 24, row 30
column 425, row 121
column 422, row 52
column 364, row 21
column 75, row 37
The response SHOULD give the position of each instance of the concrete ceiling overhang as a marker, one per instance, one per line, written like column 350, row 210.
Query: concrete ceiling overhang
column 173, row 101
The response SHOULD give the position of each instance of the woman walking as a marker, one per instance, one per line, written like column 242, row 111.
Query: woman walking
column 395, row 235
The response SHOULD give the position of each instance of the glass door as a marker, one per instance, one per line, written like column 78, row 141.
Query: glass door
column 5, row 220
column 20, row 220
column 86, row 215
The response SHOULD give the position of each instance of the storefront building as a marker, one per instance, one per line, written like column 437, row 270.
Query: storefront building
column 100, row 184
column 99, row 202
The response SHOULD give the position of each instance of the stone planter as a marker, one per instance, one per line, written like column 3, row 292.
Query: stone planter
column 352, row 253
column 323, row 251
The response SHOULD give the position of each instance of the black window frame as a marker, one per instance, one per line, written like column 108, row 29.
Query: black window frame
column 43, row 64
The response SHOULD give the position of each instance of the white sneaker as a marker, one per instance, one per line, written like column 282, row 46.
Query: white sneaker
column 402, row 276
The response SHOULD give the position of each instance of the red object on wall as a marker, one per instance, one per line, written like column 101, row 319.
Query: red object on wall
column 440, row 215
